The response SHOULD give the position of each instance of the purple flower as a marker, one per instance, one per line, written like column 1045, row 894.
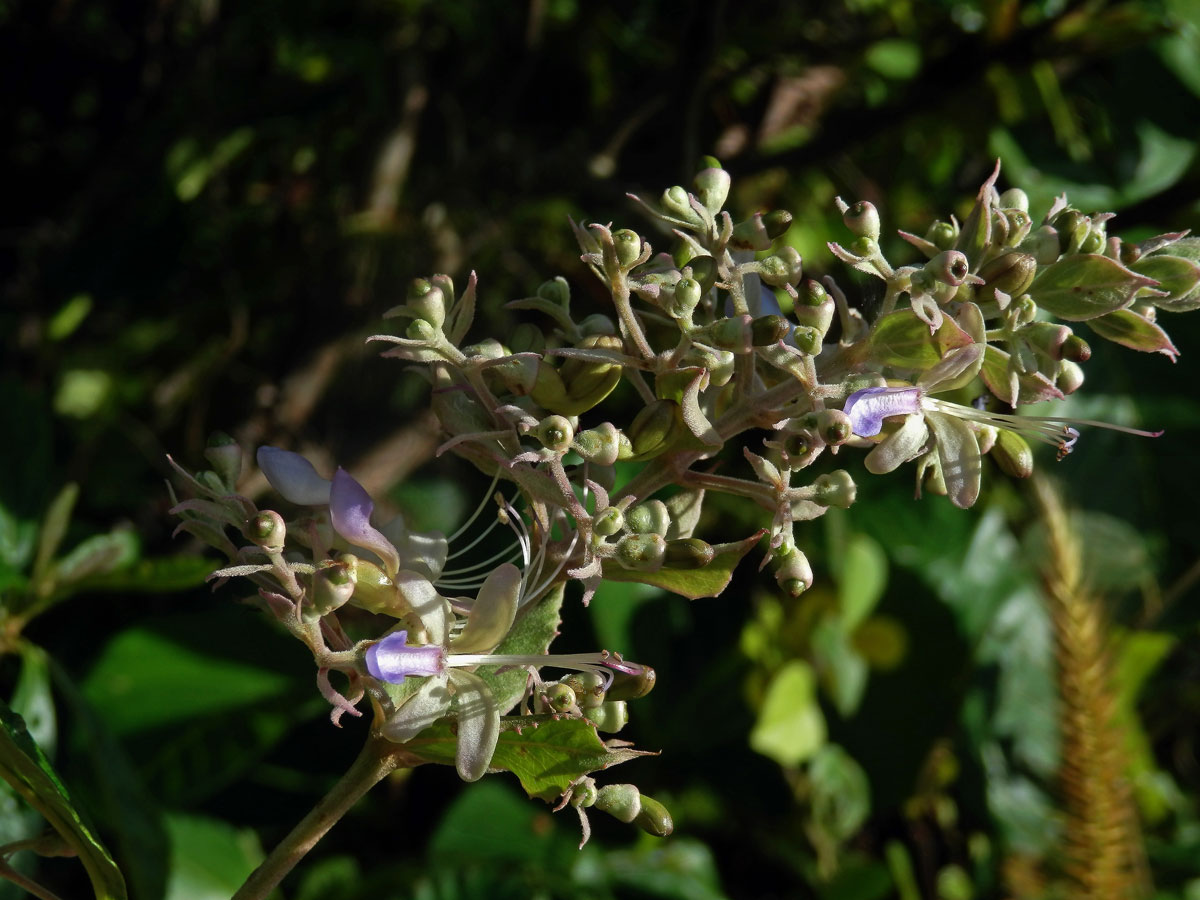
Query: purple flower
column 869, row 407
column 391, row 659
column 293, row 477
column 350, row 508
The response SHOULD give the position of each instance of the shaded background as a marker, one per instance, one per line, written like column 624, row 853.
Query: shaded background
column 208, row 207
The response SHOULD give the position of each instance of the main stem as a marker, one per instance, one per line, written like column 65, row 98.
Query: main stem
column 378, row 759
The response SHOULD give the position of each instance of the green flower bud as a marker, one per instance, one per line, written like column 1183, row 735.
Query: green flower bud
column 686, row 297
column 1015, row 198
column 712, row 188
column 866, row 247
column 333, row 584
column 811, row 293
column 1018, row 224
column 731, row 333
column 1012, row 454
column 610, row 716
column 651, row 517
column 942, row 235
column 835, row 489
column 608, row 522
column 631, row 685
column 1076, row 349
column 621, row 801
column 588, row 688
column 653, row 429
column 267, row 530
column 784, row 267
column 768, row 330
column 688, row 553
column 556, row 290
column 1073, row 228
column 834, row 426
column 420, row 330
column 1011, row 273
column 226, row 458
column 808, row 339
column 584, row 795
column 1070, row 377
column 760, row 231
column 427, row 303
column 653, row 818
column 675, row 202
column 628, row 246
column 527, row 338
column 949, row 267
column 704, row 270
column 1044, row 244
column 555, row 433
column 600, row 445
column 1093, row 243
column 642, row 552
column 793, row 572
column 1026, row 310
column 561, row 699
column 862, row 219
column 597, row 324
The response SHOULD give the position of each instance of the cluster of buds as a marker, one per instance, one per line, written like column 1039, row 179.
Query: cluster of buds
column 700, row 336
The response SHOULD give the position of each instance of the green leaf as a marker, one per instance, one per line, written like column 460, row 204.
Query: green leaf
column 1127, row 328
column 33, row 700
column 54, row 526
column 157, row 575
column 1030, row 387
column 209, row 859
column 545, row 753
column 862, row 579
column 24, row 766
column 841, row 793
column 1086, row 285
column 708, row 581
column 490, row 821
column 903, row 340
column 790, row 726
column 843, row 669
column 98, row 555
column 1176, row 273
column 17, row 538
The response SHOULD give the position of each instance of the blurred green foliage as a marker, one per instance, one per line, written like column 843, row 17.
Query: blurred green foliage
column 209, row 205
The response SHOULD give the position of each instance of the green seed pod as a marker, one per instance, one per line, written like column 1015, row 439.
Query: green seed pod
column 942, row 235
column 225, row 456
column 834, row 426
column 628, row 246
column 949, row 267
column 1011, row 273
column 653, row 818
column 420, row 330
column 704, row 270
column 588, row 688
column 685, row 299
column 641, row 552
column 835, row 489
column 862, row 219
column 608, row 522
column 621, row 801
column 427, row 303
column 688, row 553
column 1012, row 454
column 712, row 188
column 267, row 530
column 812, row 293
column 651, row 517
column 632, row 685
column 654, row 428
column 555, row 433
column 610, row 716
column 793, row 572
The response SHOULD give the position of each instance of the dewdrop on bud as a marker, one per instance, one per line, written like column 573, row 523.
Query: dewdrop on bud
column 555, row 433
column 628, row 246
column 712, row 188
column 427, row 303
column 641, row 552
column 793, row 572
column 267, row 530
column 862, row 219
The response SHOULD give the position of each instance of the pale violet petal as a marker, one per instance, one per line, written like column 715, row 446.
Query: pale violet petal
column 293, row 477
column 421, row 551
column 478, row 724
column 492, row 613
column 430, row 606
column 869, row 407
column 391, row 659
column 422, row 709
column 350, row 508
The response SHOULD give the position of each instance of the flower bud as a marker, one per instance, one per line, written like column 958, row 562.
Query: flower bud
column 1011, row 273
column 1076, row 349
column 704, row 270
column 808, row 339
column 1044, row 244
column 621, row 801
column 1073, row 228
column 712, row 188
column 862, row 219
column 811, row 293
column 631, row 681
column 835, row 489
column 610, row 716
column 784, row 267
column 600, row 445
column 653, row 429
column 641, row 552
column 559, row 698
column 420, row 330
column 226, row 458
column 267, row 530
column 688, row 553
column 768, row 330
column 685, row 299
column 653, row 818
column 555, row 433
column 1012, row 454
column 1070, row 377
column 1019, row 225
column 865, row 247
column 608, row 522
column 675, row 202
column 760, row 231
column 651, row 517
column 597, row 324
column 1014, row 198
column 834, row 426
column 427, row 303
column 793, row 572
column 556, row 290
column 731, row 333
column 628, row 246
column 1026, row 310
column 333, row 584
column 584, row 795
column 942, row 235
column 949, row 267
column 1093, row 242
column 588, row 688
column 527, row 338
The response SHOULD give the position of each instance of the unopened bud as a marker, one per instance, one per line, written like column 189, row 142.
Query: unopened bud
column 1070, row 377
column 942, row 235
column 865, row 247
column 704, row 270
column 584, row 795
column 653, row 818
column 653, row 428
column 333, row 585
column 1076, row 349
column 560, row 698
column 642, row 552
column 768, row 330
column 688, row 553
column 834, row 426
column 1093, row 242
column 621, row 801
column 267, row 530
column 610, row 716
column 675, row 202
column 527, row 338
column 835, row 489
column 1044, row 244
column 556, row 290
column 631, row 681
column 784, row 267
column 760, row 231
column 862, row 219
column 1014, row 198
column 1026, row 310
column 226, row 458
column 600, row 445
column 628, row 246
column 608, row 522
column 651, row 517
column 420, row 330
column 427, row 303
column 686, row 297
column 1011, row 273
column 712, row 188
column 793, row 572
column 1012, row 454
column 555, row 433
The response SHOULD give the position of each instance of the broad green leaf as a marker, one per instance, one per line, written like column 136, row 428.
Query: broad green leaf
column 157, row 575
column 862, row 579
column 99, row 555
column 33, row 700
column 903, row 340
column 790, row 727
column 24, row 766
column 545, row 753
column 843, row 669
column 678, row 869
column 1086, row 285
column 491, row 821
column 209, row 859
column 1176, row 274
column 841, row 794
column 1127, row 328
column 708, row 581
column 171, row 683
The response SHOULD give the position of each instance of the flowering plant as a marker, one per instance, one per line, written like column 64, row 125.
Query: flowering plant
column 719, row 339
